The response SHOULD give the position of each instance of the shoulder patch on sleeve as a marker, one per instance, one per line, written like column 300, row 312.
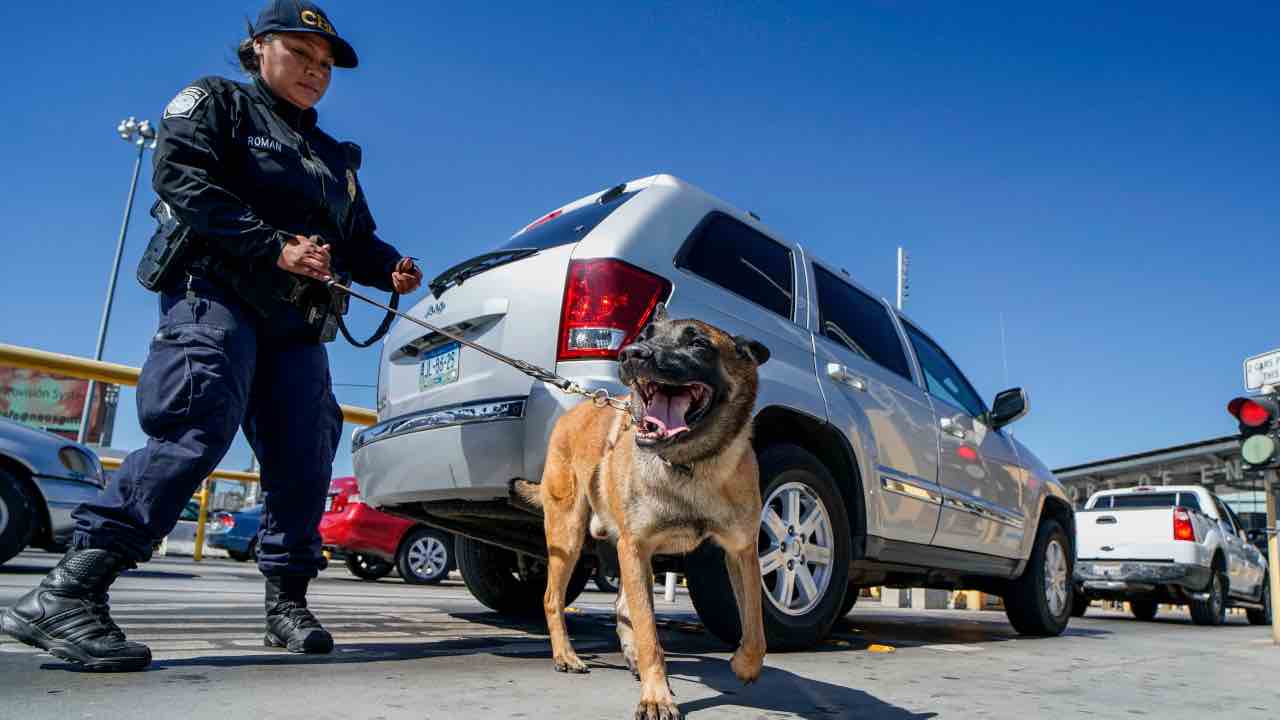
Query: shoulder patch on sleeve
column 186, row 102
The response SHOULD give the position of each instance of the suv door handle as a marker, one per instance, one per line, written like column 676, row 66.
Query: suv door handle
column 952, row 428
column 841, row 374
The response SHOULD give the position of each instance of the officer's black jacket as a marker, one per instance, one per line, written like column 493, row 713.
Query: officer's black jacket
column 245, row 170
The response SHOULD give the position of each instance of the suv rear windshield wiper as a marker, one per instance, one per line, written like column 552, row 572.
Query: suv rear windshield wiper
column 457, row 274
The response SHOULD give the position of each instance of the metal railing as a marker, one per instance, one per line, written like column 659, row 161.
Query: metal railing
column 106, row 372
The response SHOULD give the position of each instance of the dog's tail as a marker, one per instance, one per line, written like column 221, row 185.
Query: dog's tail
column 530, row 493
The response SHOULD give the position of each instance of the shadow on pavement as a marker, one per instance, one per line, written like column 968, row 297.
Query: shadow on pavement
column 867, row 627
column 781, row 691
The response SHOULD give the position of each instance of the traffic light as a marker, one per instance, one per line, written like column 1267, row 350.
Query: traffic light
column 1259, row 419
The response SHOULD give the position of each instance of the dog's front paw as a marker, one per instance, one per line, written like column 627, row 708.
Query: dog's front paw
column 570, row 663
column 747, row 666
column 657, row 710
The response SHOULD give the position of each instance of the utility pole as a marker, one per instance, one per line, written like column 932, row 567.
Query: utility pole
column 143, row 136
column 1273, row 553
column 903, row 287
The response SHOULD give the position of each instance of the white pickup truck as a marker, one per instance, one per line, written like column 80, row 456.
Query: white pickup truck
column 1176, row 544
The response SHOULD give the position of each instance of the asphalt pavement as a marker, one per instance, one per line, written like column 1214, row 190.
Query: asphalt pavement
column 434, row 653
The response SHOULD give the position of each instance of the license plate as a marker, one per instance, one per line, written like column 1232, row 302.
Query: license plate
column 1106, row 569
column 439, row 367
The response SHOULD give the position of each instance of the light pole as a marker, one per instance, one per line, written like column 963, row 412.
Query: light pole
column 143, row 136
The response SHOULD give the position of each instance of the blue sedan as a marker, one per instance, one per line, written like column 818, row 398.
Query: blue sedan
column 235, row 532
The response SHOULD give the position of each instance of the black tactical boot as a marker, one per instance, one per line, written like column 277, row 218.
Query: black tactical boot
column 67, row 614
column 290, row 624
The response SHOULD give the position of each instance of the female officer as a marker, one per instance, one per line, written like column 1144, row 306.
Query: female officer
column 266, row 196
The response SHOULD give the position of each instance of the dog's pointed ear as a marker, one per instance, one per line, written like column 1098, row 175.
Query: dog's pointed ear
column 659, row 313
column 753, row 349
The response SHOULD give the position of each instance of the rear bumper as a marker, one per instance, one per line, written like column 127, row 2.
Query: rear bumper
column 470, row 451
column 1134, row 576
column 365, row 530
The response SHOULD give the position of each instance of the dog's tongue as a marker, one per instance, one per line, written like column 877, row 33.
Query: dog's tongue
column 667, row 412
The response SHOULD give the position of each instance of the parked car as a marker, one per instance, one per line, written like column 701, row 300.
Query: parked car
column 871, row 441
column 43, row 477
column 373, row 542
column 235, row 532
column 1177, row 544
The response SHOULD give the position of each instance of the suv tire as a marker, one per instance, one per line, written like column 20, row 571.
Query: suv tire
column 1144, row 609
column 1263, row 616
column 15, row 517
column 1040, row 601
column 494, row 577
column 850, row 599
column 425, row 557
column 1213, row 609
column 784, row 469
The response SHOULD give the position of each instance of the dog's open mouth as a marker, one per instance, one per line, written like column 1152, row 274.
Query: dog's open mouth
column 666, row 411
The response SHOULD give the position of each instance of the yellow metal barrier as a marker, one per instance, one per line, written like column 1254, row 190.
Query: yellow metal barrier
column 86, row 369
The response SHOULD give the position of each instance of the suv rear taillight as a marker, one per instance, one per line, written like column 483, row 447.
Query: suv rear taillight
column 1182, row 527
column 606, row 303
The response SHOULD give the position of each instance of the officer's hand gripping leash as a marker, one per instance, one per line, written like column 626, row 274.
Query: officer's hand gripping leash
column 599, row 396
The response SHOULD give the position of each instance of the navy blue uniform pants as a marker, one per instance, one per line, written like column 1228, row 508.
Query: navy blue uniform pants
column 212, row 369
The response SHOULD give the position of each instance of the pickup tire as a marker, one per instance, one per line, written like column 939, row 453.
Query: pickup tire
column 495, row 577
column 15, row 517
column 1213, row 609
column 1040, row 601
column 1262, row 616
column 786, row 472
column 1144, row 609
column 1079, row 603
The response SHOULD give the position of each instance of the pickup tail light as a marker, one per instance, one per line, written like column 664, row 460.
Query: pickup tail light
column 1182, row 527
column 606, row 304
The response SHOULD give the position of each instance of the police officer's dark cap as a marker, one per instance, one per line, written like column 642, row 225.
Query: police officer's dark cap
column 304, row 17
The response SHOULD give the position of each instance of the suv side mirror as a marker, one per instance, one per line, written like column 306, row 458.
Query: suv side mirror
column 1009, row 406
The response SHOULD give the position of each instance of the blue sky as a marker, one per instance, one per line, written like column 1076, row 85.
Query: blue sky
column 1104, row 177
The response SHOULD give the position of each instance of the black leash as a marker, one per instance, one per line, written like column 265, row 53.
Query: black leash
column 383, row 327
column 599, row 396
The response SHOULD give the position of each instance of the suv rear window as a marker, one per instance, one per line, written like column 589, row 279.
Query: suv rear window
column 565, row 228
column 741, row 260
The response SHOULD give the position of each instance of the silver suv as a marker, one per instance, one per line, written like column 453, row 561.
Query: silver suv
column 880, row 464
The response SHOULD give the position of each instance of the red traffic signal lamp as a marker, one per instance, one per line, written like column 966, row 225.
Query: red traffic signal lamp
column 1259, row 419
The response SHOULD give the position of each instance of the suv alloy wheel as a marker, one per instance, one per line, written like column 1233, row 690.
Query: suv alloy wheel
column 804, row 549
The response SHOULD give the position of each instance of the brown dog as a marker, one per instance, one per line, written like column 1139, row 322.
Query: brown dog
column 677, row 470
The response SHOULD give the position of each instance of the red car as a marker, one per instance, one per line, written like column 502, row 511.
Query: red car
column 374, row 542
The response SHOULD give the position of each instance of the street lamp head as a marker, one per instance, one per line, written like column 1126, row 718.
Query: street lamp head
column 127, row 129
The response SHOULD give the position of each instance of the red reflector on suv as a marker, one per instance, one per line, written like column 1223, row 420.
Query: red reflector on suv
column 606, row 303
